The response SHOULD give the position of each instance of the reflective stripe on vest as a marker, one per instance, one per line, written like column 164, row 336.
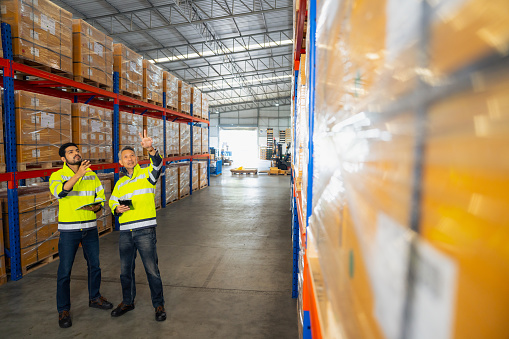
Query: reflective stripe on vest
column 138, row 224
column 75, row 226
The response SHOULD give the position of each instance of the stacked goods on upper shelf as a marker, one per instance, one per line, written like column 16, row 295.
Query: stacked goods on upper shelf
column 129, row 66
column 410, row 183
column 183, row 179
column 172, row 183
column 196, row 140
column 152, row 83
column 2, row 152
column 41, row 33
column 92, row 55
column 38, row 226
column 202, row 174
column 184, row 139
column 3, row 270
column 91, row 131
column 301, row 124
column 171, row 88
column 104, row 216
column 131, row 125
column 172, row 138
column 204, row 141
column 184, row 97
column 154, row 128
column 196, row 182
column 43, row 125
column 204, row 107
column 196, row 102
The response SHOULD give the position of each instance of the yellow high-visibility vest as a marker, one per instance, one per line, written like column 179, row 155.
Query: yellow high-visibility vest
column 88, row 189
column 140, row 189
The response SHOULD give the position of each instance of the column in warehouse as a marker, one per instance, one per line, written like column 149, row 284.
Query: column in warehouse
column 404, row 203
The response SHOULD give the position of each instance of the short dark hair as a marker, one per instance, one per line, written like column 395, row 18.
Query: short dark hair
column 126, row 148
column 62, row 149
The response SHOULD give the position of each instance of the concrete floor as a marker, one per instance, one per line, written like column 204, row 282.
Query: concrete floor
column 226, row 264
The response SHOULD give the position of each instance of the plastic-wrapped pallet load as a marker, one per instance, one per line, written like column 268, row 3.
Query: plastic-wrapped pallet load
column 171, row 88
column 155, row 131
column 184, row 97
column 196, row 181
column 43, row 125
column 184, row 139
column 197, row 140
column 172, row 183
column 202, row 174
column 172, row 138
column 3, row 270
column 196, row 101
column 38, row 224
column 183, row 179
column 92, row 54
column 91, row 131
column 41, row 33
column 204, row 107
column 131, row 125
column 152, row 82
column 204, row 140
column 129, row 66
column 416, row 182
column 104, row 216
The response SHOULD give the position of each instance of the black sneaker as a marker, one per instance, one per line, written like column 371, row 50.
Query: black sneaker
column 64, row 319
column 100, row 303
column 160, row 313
column 121, row 310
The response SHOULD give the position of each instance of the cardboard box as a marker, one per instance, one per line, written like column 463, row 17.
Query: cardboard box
column 204, row 106
column 152, row 82
column 205, row 141
column 184, row 139
column 92, row 54
column 172, row 138
column 183, row 179
column 170, row 87
column 196, row 102
column 197, row 140
column 131, row 125
column 155, row 131
column 41, row 32
column 172, row 183
column 196, row 181
column 129, row 66
column 184, row 97
column 202, row 174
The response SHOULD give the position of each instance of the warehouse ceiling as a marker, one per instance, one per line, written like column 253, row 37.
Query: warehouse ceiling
column 238, row 52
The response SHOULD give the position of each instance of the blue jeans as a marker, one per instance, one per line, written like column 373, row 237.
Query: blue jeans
column 144, row 241
column 67, row 246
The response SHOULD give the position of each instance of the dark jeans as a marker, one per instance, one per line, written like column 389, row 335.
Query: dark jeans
column 144, row 241
column 67, row 246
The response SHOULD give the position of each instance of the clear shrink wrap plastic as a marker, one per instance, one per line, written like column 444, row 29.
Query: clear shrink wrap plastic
column 155, row 131
column 131, row 125
column 3, row 269
column 183, row 179
column 204, row 107
column 172, row 138
column 91, row 131
column 196, row 179
column 171, row 88
column 157, row 197
column 104, row 216
column 38, row 223
column 43, row 125
column 410, row 168
column 172, row 183
column 197, row 140
column 196, row 101
column 184, row 97
column 202, row 174
column 204, row 140
column 184, row 139
column 152, row 82
column 301, row 124
column 92, row 54
column 41, row 32
column 129, row 66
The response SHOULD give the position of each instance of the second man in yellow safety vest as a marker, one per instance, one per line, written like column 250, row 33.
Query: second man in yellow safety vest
column 133, row 202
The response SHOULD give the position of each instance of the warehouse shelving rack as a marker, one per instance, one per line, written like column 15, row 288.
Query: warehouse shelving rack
column 300, row 218
column 61, row 87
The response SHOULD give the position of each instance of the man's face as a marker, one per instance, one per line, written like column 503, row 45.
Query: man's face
column 72, row 156
column 128, row 159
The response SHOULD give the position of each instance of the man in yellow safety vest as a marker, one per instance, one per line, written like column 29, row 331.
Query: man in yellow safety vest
column 80, row 196
column 133, row 202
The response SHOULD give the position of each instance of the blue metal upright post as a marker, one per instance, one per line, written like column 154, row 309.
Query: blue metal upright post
column 163, row 170
column 116, row 125
column 14, row 252
column 296, row 249
column 192, row 153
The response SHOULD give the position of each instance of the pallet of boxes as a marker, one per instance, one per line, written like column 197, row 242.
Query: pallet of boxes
column 172, row 183
column 184, row 97
column 152, row 83
column 129, row 66
column 202, row 174
column 183, row 179
column 171, row 88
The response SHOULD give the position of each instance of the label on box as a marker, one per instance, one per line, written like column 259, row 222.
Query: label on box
column 84, row 122
column 92, row 111
column 34, row 102
column 133, row 66
column 90, row 71
column 83, row 108
column 47, row 120
column 90, row 59
column 92, row 136
column 96, row 126
column 48, row 216
column 434, row 298
column 3, row 9
column 36, row 136
column 34, row 35
column 101, row 137
column 98, row 49
column 34, row 51
column 35, row 119
column 403, row 25
column 36, row 3
column 36, row 153
column 83, row 136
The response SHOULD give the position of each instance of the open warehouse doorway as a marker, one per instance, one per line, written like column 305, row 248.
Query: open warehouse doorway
column 243, row 145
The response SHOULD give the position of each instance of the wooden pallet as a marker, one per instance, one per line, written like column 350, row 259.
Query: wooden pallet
column 3, row 280
column 41, row 67
column 279, row 173
column 202, row 187
column 42, row 165
column 150, row 101
column 131, row 95
column 172, row 155
column 184, row 154
column 172, row 108
column 185, row 195
column 197, row 153
column 244, row 171
column 93, row 83
column 105, row 232
column 41, row 263
column 171, row 202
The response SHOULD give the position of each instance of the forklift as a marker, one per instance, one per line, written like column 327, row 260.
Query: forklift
column 283, row 161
